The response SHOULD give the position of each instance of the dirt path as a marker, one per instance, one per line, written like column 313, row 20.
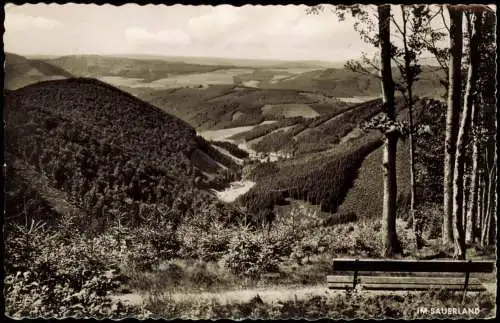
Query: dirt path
column 268, row 295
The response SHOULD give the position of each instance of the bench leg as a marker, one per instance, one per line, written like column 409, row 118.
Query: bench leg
column 466, row 284
column 354, row 282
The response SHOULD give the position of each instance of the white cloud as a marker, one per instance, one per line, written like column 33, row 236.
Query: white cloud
column 139, row 35
column 221, row 19
column 18, row 21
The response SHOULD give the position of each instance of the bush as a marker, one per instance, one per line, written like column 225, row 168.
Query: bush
column 47, row 275
column 248, row 257
column 213, row 246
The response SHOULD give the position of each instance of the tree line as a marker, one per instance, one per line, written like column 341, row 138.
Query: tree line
column 469, row 181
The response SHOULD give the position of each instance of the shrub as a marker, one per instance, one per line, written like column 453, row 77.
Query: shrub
column 213, row 246
column 48, row 275
column 248, row 257
column 368, row 240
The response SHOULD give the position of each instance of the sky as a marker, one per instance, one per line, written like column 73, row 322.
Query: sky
column 257, row 32
column 261, row 32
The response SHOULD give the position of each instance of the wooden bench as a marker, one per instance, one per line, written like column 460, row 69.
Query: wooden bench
column 409, row 274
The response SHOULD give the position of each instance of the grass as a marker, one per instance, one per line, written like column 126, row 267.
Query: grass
column 334, row 306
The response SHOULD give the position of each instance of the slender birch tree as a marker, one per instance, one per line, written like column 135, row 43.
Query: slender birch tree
column 452, row 117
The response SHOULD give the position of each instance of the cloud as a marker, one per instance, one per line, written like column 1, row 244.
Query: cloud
column 19, row 22
column 139, row 35
column 221, row 19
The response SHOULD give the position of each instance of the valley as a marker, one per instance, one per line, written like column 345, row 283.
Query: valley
column 193, row 179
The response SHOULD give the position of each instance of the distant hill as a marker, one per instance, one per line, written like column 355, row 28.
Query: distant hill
column 97, row 143
column 145, row 69
column 340, row 82
column 21, row 71
column 236, row 62
column 225, row 106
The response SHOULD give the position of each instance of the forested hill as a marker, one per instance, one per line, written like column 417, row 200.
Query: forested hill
column 105, row 148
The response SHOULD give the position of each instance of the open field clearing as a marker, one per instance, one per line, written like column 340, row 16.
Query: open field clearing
column 120, row 81
column 235, row 190
column 289, row 110
column 224, row 134
column 295, row 70
column 215, row 77
column 274, row 132
column 356, row 99
column 224, row 76
column 252, row 83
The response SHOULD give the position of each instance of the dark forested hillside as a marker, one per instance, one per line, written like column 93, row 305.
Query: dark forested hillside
column 113, row 154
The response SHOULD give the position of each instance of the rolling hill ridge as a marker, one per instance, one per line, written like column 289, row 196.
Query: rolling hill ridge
column 98, row 144
column 21, row 71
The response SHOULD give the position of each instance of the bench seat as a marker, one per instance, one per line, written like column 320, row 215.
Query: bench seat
column 404, row 283
column 407, row 275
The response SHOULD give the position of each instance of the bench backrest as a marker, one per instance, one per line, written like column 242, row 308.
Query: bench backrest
column 391, row 265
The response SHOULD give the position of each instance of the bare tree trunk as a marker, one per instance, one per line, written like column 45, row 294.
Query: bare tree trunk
column 463, row 136
column 490, row 207
column 493, row 206
column 390, row 240
column 409, row 86
column 480, row 206
column 470, row 231
column 452, row 118
column 464, row 196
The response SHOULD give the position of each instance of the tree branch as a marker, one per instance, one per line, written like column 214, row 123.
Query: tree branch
column 396, row 24
column 444, row 20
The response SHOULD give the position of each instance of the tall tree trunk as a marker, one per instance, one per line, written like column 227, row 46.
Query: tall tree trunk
column 480, row 206
column 452, row 117
column 490, row 206
column 390, row 240
column 470, row 231
column 409, row 87
column 464, row 194
column 462, row 139
column 493, row 205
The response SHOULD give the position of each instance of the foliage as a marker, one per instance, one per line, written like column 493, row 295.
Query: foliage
column 248, row 257
column 386, row 125
column 48, row 275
